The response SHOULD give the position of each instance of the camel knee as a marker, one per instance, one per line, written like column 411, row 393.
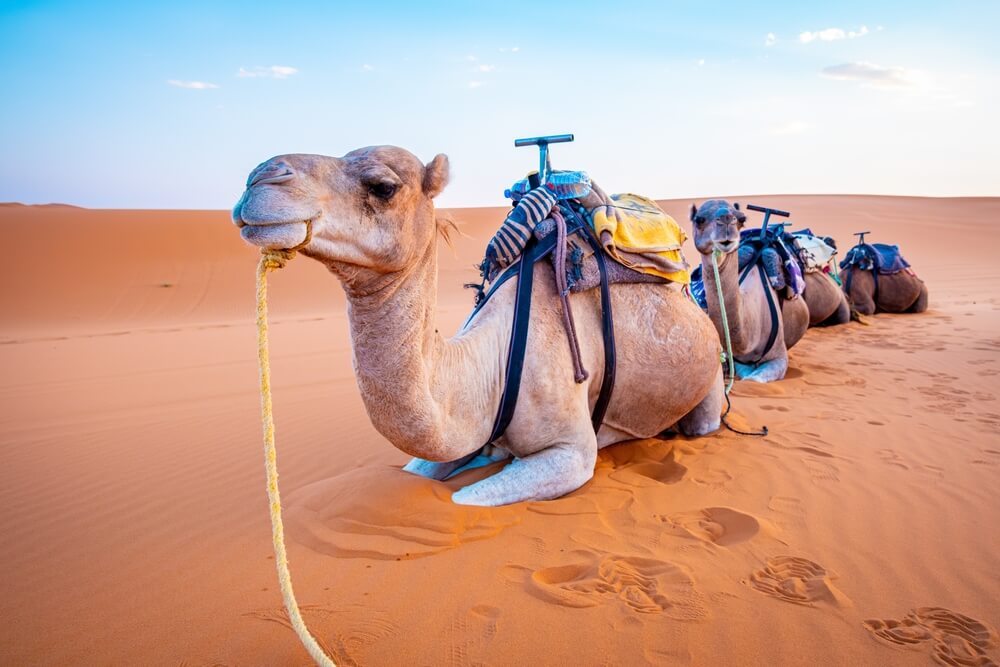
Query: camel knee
column 546, row 474
column 766, row 371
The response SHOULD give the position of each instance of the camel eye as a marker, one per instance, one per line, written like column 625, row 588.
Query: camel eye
column 699, row 220
column 383, row 189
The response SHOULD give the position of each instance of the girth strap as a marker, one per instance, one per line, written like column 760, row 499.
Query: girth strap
column 772, row 309
column 533, row 252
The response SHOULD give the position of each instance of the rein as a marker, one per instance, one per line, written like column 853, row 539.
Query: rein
column 272, row 260
column 728, row 354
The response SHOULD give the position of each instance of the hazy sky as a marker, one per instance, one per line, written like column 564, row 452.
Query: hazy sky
column 170, row 105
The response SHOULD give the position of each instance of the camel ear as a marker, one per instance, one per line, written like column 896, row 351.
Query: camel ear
column 741, row 217
column 436, row 175
column 694, row 212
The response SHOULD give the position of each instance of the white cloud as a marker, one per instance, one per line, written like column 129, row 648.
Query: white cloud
column 701, row 61
column 272, row 72
column 486, row 68
column 367, row 68
column 512, row 49
column 832, row 35
column 475, row 84
column 192, row 85
column 471, row 58
column 770, row 39
column 791, row 127
column 869, row 74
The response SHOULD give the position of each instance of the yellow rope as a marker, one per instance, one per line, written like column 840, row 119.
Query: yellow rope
column 272, row 260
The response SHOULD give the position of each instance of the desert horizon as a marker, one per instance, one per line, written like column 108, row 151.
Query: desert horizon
column 434, row 272
column 138, row 528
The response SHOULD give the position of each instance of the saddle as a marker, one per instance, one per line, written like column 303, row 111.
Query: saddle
column 879, row 258
column 815, row 254
column 578, row 241
column 885, row 258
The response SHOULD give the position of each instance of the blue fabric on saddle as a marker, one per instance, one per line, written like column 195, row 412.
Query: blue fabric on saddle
column 780, row 264
column 882, row 256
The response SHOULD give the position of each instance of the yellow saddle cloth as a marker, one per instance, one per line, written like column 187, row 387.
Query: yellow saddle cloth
column 635, row 232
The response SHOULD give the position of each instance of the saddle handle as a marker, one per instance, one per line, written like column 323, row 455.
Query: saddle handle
column 861, row 236
column 768, row 212
column 544, row 164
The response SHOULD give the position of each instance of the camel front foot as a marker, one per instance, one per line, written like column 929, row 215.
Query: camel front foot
column 549, row 473
column 766, row 371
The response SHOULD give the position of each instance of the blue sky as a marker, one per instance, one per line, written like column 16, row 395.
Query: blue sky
column 170, row 105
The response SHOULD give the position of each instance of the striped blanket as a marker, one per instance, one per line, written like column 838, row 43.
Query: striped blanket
column 631, row 228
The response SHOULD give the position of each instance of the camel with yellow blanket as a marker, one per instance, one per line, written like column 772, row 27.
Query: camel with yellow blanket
column 373, row 225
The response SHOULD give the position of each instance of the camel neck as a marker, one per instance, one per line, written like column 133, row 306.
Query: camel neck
column 729, row 276
column 407, row 373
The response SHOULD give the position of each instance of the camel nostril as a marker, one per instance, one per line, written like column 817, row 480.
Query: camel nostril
column 273, row 174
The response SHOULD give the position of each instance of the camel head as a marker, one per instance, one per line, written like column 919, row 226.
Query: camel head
column 716, row 225
column 371, row 211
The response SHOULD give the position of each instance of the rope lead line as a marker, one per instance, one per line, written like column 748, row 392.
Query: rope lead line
column 730, row 362
column 725, row 321
column 273, row 260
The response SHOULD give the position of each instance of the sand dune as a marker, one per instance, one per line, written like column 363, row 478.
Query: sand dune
column 862, row 530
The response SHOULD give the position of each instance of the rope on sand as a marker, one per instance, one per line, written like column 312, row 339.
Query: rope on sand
column 272, row 260
column 728, row 354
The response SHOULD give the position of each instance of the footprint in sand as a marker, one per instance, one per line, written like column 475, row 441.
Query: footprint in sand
column 357, row 515
column 890, row 457
column 667, row 471
column 797, row 580
column 953, row 638
column 640, row 585
column 718, row 525
column 472, row 633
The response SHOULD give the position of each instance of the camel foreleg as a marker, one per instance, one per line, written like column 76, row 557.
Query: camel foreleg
column 548, row 473
column 765, row 371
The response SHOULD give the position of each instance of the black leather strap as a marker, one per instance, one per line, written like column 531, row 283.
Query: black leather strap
column 518, row 335
column 524, row 270
column 772, row 309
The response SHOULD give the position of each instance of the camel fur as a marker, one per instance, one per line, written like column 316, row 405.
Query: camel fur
column 374, row 227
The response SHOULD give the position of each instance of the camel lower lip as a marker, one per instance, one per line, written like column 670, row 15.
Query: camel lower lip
column 274, row 236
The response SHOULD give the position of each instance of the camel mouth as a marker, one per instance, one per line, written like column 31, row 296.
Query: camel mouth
column 275, row 236
column 727, row 246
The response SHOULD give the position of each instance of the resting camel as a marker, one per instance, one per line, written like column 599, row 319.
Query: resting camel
column 716, row 227
column 825, row 299
column 374, row 227
column 901, row 292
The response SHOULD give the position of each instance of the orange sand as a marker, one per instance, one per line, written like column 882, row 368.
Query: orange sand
column 864, row 530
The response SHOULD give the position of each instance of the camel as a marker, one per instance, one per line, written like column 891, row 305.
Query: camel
column 901, row 292
column 716, row 226
column 825, row 299
column 373, row 225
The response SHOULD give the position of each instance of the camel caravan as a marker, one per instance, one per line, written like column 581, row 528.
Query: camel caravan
column 588, row 329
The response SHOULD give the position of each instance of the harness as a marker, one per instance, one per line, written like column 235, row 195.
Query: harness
column 772, row 307
column 523, row 268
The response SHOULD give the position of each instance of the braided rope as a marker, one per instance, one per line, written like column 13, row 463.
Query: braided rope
column 272, row 260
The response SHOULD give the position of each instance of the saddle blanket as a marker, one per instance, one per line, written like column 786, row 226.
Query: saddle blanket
column 638, row 234
column 887, row 258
